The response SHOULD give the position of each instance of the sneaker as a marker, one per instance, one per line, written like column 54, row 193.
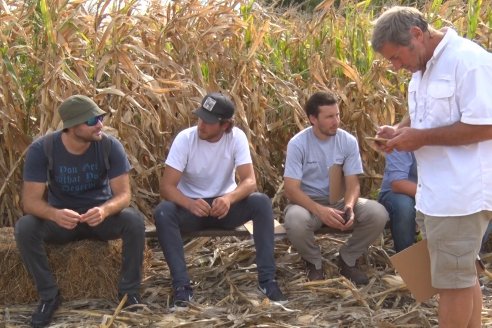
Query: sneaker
column 131, row 300
column 352, row 272
column 44, row 313
column 273, row 292
column 314, row 274
column 182, row 296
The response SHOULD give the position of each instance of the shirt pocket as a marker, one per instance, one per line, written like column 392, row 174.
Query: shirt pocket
column 441, row 103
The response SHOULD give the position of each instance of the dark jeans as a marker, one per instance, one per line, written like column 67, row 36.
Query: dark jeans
column 31, row 233
column 401, row 210
column 170, row 219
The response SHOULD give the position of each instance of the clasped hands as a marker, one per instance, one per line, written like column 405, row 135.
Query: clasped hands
column 338, row 219
column 219, row 208
column 69, row 219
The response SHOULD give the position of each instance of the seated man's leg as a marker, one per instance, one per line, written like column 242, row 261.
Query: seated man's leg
column 128, row 225
column 31, row 234
column 256, row 207
column 370, row 219
column 454, row 243
column 300, row 226
column 401, row 210
column 169, row 221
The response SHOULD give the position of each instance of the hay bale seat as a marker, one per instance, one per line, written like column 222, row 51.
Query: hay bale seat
column 241, row 231
column 83, row 269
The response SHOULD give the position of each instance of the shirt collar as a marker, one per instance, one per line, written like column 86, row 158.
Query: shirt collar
column 448, row 36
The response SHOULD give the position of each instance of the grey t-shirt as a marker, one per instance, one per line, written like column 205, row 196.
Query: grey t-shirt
column 309, row 158
column 79, row 182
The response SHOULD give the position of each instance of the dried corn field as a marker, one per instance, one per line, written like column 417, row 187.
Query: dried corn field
column 149, row 67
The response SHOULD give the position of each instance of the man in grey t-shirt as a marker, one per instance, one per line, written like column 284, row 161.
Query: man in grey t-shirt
column 311, row 155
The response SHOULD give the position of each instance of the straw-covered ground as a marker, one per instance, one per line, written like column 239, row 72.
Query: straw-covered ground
column 226, row 294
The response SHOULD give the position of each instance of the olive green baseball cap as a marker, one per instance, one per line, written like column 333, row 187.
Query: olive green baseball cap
column 78, row 109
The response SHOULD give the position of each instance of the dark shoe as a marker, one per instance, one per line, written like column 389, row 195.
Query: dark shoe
column 44, row 313
column 314, row 274
column 182, row 296
column 352, row 272
column 273, row 292
column 132, row 302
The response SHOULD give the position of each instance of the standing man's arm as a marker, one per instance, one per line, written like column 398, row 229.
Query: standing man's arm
column 120, row 188
column 330, row 216
column 456, row 134
column 168, row 188
column 34, row 203
column 246, row 186
column 388, row 131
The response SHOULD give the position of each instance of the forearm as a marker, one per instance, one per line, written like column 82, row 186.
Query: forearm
column 298, row 197
column 405, row 122
column 39, row 208
column 405, row 187
column 352, row 190
column 456, row 134
column 173, row 194
column 243, row 190
column 352, row 193
column 116, row 204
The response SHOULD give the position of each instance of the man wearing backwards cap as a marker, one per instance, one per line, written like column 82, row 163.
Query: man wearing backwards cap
column 200, row 192
column 86, row 199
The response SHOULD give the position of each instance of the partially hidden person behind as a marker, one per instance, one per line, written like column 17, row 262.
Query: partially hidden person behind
column 449, row 129
column 86, row 176
column 200, row 191
column 398, row 197
column 322, row 186
column 397, row 194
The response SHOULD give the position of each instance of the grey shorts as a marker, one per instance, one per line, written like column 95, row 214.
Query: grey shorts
column 454, row 243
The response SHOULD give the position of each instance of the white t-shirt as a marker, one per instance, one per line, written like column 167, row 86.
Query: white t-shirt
column 453, row 180
column 208, row 167
column 309, row 158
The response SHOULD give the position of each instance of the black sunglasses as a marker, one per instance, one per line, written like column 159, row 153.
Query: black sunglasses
column 94, row 120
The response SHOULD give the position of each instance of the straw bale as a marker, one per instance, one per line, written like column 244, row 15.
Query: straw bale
column 83, row 269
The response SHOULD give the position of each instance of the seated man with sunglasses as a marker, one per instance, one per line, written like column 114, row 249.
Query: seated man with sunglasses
column 87, row 198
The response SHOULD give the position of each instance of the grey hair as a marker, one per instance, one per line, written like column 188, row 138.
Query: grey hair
column 394, row 26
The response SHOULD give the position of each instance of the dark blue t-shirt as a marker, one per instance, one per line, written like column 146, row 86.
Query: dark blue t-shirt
column 79, row 182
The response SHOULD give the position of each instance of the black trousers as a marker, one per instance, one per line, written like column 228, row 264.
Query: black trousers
column 31, row 234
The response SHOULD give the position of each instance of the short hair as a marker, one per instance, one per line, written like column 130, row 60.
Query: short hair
column 320, row 98
column 230, row 122
column 394, row 26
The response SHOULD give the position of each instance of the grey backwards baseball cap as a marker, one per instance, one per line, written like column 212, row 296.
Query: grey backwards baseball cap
column 78, row 109
column 215, row 107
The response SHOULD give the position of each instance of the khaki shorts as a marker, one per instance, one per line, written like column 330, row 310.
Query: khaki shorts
column 454, row 243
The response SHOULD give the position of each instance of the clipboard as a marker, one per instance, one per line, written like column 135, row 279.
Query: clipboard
column 413, row 265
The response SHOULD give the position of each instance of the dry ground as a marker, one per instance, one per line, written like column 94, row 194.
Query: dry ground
column 226, row 294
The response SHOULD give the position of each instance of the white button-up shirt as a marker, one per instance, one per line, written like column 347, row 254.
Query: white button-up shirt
column 456, row 86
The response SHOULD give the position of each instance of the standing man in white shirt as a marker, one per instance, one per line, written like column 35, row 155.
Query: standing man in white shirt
column 449, row 128
column 200, row 192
